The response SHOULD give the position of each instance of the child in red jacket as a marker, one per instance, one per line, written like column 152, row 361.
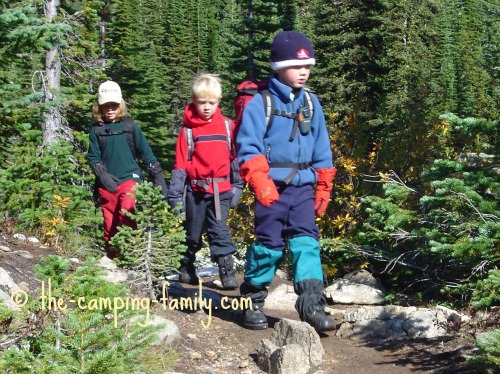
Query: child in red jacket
column 204, row 155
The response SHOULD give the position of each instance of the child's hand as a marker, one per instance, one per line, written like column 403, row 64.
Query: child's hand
column 109, row 182
column 237, row 192
column 265, row 190
column 256, row 173
column 323, row 189
column 321, row 202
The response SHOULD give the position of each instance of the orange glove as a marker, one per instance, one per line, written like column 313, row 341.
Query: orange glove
column 256, row 173
column 323, row 189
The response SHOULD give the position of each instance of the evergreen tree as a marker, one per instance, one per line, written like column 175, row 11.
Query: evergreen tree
column 20, row 31
column 405, row 137
column 445, row 235
column 85, row 338
column 154, row 248
column 182, row 58
column 82, row 62
column 136, row 46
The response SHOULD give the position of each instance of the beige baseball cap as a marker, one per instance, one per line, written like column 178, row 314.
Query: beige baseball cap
column 109, row 92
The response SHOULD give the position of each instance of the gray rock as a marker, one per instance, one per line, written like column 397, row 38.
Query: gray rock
column 344, row 291
column 20, row 237
column 6, row 299
column 294, row 347
column 357, row 287
column 168, row 332
column 290, row 358
column 24, row 254
column 4, row 248
column 106, row 263
column 288, row 331
column 264, row 352
column 6, row 281
column 282, row 297
column 115, row 276
column 364, row 277
column 391, row 322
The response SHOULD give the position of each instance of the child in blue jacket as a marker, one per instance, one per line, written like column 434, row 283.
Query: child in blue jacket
column 289, row 167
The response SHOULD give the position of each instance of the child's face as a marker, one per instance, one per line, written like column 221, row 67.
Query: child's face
column 294, row 76
column 109, row 111
column 206, row 106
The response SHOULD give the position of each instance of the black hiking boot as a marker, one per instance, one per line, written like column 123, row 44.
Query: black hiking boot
column 187, row 275
column 254, row 318
column 227, row 272
column 318, row 319
column 187, row 271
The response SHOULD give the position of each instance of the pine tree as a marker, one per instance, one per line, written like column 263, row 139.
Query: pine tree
column 407, row 106
column 445, row 235
column 154, row 248
column 97, row 334
column 182, row 58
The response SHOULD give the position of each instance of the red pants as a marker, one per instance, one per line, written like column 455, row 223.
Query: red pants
column 112, row 205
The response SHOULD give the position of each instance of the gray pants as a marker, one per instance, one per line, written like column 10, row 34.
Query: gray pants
column 200, row 217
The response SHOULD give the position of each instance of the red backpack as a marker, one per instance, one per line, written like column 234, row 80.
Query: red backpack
column 244, row 93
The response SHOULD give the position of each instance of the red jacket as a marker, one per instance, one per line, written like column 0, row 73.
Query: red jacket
column 211, row 157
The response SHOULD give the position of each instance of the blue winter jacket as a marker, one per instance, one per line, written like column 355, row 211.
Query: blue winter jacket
column 274, row 142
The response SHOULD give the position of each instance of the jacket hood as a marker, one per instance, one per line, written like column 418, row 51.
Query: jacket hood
column 192, row 120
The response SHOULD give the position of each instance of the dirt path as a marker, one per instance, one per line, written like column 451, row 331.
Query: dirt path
column 220, row 344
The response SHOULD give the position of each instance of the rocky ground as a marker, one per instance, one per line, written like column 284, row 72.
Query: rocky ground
column 227, row 347
column 218, row 343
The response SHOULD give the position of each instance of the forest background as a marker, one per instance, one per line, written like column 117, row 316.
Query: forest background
column 410, row 90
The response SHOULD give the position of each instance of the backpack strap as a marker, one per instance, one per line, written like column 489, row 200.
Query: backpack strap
column 130, row 133
column 190, row 141
column 228, row 132
column 189, row 137
column 309, row 102
column 102, row 133
column 99, row 131
column 269, row 109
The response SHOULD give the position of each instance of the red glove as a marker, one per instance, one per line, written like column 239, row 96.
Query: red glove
column 323, row 189
column 256, row 173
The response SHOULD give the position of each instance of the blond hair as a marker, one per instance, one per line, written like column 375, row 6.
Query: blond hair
column 120, row 114
column 207, row 85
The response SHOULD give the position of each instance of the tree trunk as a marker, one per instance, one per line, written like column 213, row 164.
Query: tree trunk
column 54, row 126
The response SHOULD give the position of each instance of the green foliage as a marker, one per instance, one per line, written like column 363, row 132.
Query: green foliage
column 154, row 248
column 340, row 256
column 48, row 190
column 489, row 361
column 451, row 233
column 385, row 71
column 81, row 338
column 6, row 315
column 54, row 268
column 241, row 223
column 487, row 291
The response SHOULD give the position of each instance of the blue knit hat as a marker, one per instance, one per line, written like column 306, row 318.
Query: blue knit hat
column 291, row 48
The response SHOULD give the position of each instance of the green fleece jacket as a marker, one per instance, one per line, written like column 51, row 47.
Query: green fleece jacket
column 117, row 155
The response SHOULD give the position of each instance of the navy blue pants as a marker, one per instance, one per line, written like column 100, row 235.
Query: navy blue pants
column 291, row 216
column 291, row 219
column 200, row 216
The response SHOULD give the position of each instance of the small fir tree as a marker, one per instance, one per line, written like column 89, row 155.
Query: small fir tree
column 154, row 248
column 445, row 234
column 81, row 336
